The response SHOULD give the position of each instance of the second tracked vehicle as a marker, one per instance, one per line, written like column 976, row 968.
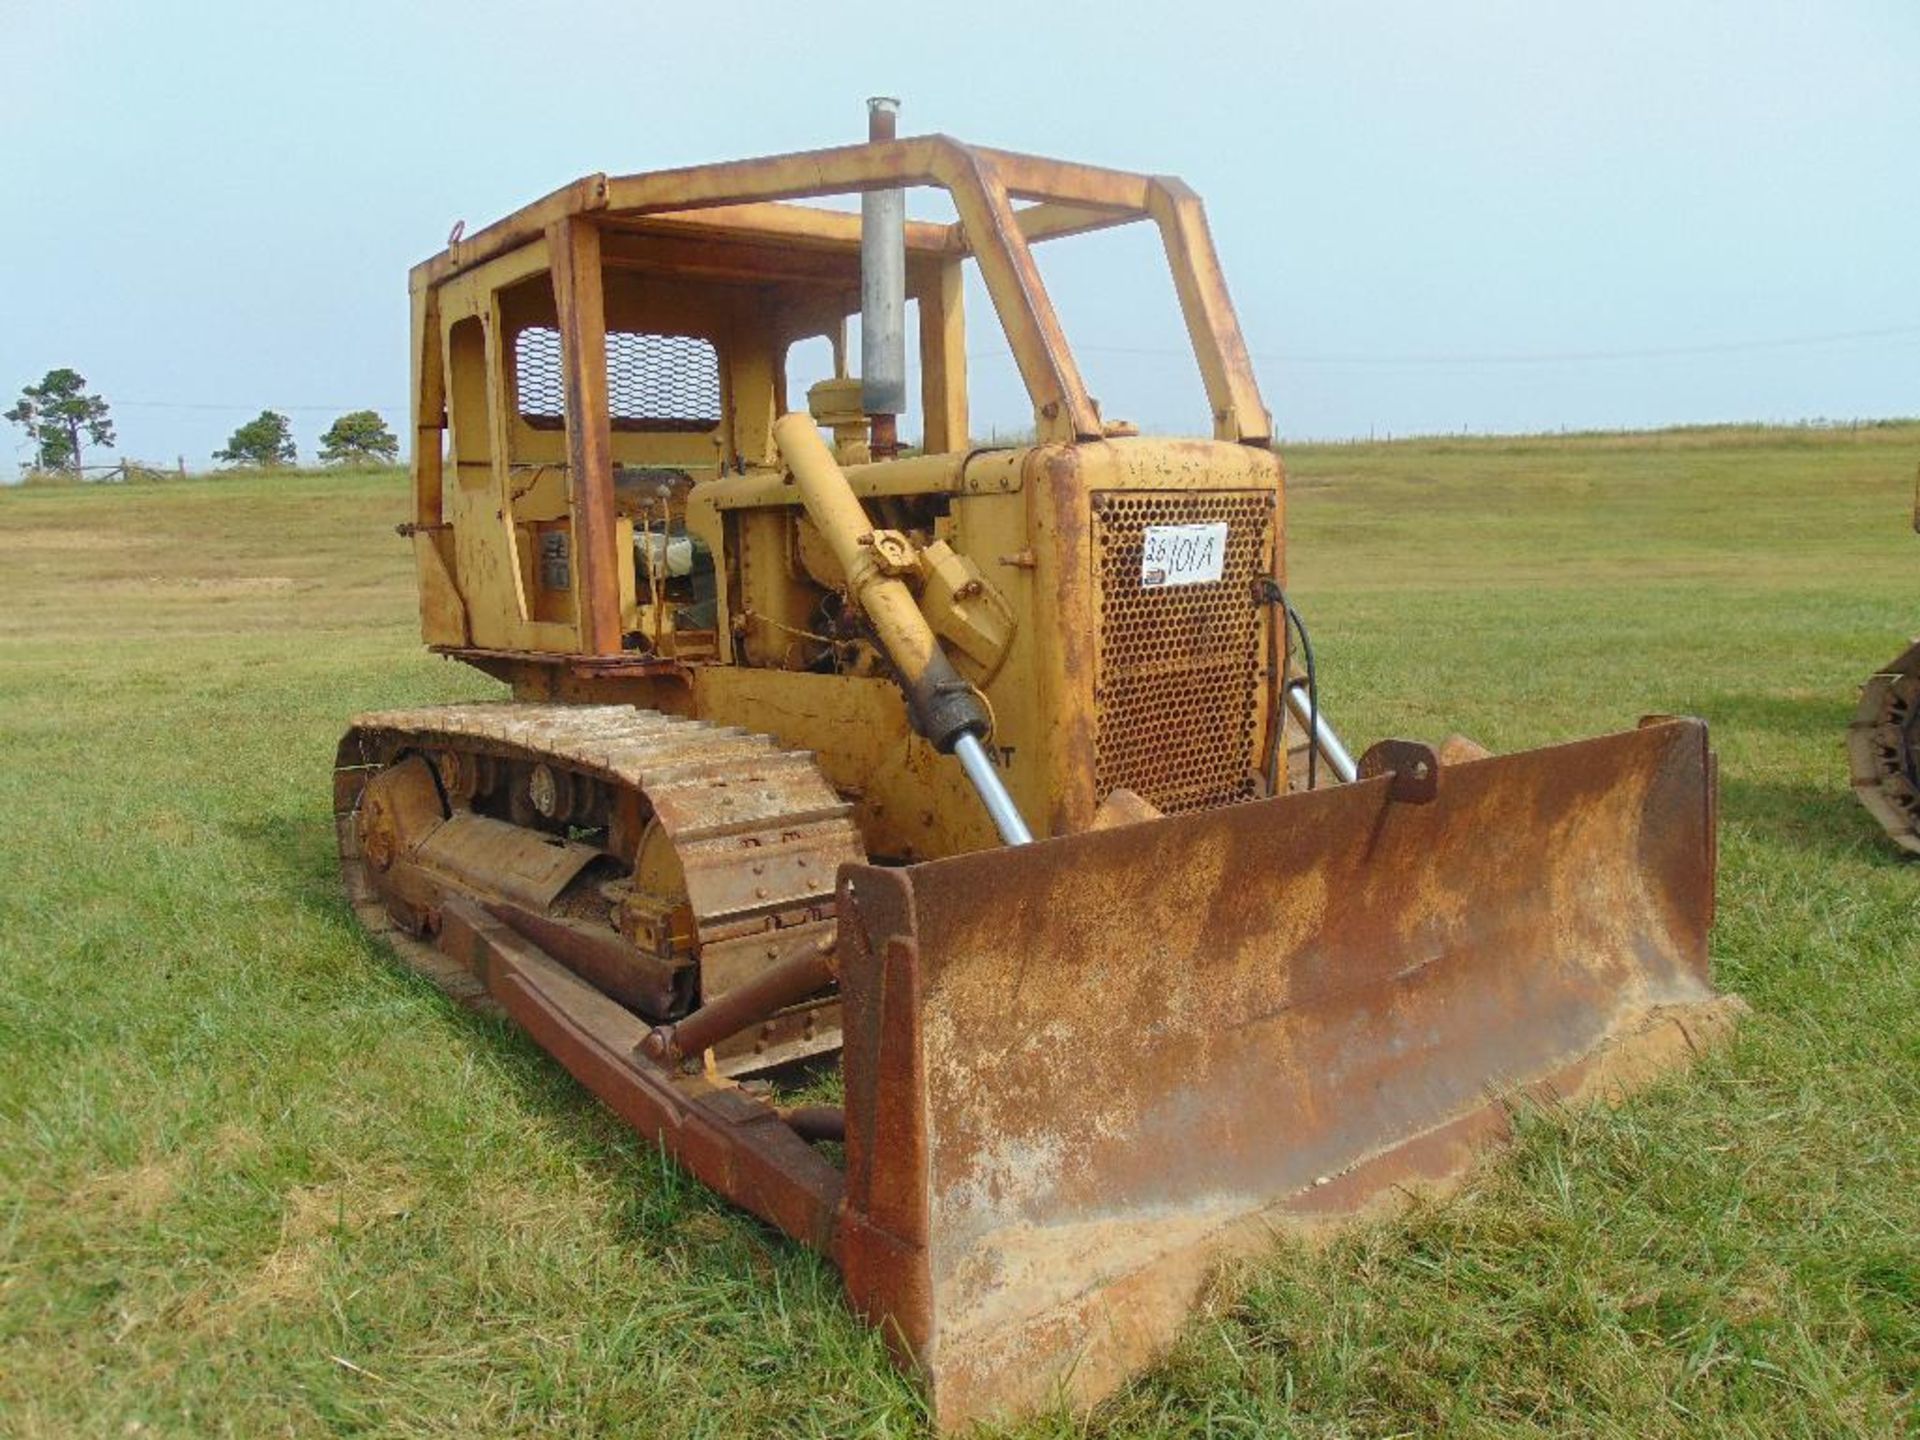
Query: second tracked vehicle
column 998, row 774
column 1883, row 742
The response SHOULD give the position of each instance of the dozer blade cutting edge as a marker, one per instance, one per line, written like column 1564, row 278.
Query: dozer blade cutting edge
column 1080, row 1072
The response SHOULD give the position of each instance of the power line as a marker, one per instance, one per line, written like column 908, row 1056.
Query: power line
column 1651, row 352
column 1564, row 357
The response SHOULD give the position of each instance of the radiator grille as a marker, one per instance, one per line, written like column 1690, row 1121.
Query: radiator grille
column 1179, row 667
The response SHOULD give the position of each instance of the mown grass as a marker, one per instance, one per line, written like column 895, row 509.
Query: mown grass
column 256, row 1181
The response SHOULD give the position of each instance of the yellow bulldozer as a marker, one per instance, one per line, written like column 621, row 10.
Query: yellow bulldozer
column 996, row 776
column 1883, row 742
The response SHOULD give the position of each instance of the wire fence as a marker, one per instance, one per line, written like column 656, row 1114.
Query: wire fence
column 120, row 472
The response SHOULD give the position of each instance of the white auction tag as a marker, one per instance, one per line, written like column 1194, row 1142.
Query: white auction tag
column 1183, row 555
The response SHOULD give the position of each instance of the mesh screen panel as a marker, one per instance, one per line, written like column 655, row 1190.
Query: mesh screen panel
column 1179, row 667
column 654, row 382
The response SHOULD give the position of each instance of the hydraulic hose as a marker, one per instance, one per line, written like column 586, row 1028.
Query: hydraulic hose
column 1321, row 739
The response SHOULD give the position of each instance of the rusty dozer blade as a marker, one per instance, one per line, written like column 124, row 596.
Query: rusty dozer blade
column 1080, row 1072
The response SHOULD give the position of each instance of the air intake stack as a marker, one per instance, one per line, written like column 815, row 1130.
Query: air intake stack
column 883, row 296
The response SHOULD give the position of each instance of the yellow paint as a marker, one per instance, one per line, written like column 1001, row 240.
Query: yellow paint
column 1000, row 571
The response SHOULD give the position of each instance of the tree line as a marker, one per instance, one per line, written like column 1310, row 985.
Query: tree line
column 60, row 418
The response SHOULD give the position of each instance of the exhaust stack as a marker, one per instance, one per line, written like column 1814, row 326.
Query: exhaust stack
column 883, row 296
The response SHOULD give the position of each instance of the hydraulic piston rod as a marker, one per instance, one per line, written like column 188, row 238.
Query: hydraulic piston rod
column 979, row 767
column 1324, row 740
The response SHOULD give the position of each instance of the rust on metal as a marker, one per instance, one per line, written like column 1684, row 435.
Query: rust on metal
column 1883, row 748
column 518, row 865
column 803, row 971
column 758, row 835
column 1178, row 667
column 573, row 244
column 1292, row 991
column 397, row 811
column 1318, row 998
column 731, row 1141
column 1076, row 1070
column 1411, row 768
column 1883, row 742
column 640, row 981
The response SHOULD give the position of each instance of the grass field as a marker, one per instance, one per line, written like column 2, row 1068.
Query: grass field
column 255, row 1181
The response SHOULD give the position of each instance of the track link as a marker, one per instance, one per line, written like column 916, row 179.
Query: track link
column 759, row 833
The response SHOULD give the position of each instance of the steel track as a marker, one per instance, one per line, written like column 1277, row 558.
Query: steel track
column 759, row 832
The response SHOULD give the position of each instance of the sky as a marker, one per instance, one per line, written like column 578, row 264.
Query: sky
column 1480, row 216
